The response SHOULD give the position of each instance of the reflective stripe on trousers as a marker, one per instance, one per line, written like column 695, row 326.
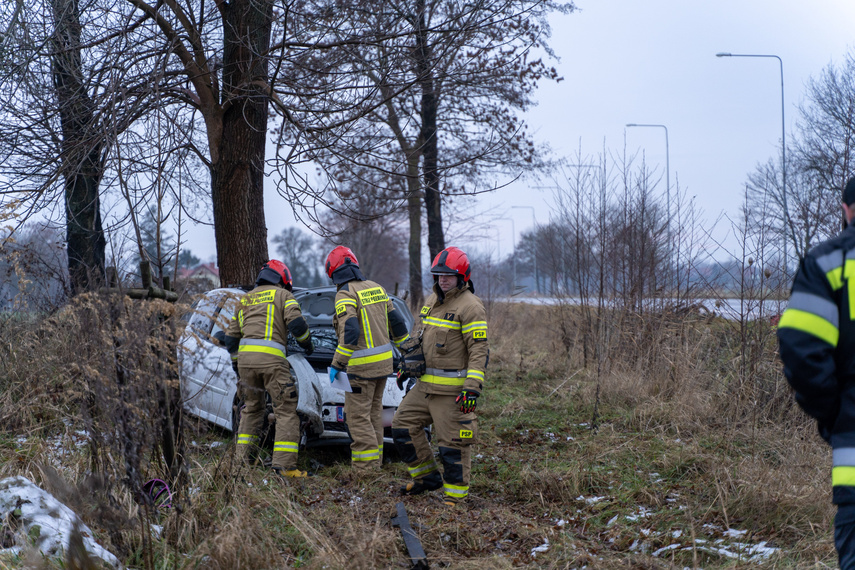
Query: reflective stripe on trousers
column 369, row 455
column 422, row 469
column 456, row 491
column 246, row 439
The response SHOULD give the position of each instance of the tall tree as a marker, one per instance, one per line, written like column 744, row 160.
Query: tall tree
column 299, row 252
column 82, row 144
column 473, row 69
column 64, row 102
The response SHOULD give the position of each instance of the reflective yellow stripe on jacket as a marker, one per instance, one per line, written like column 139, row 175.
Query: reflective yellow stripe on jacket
column 370, row 355
column 813, row 315
column 444, row 377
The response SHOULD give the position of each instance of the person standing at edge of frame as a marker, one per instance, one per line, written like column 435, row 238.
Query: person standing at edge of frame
column 259, row 331
column 364, row 320
column 816, row 336
column 453, row 332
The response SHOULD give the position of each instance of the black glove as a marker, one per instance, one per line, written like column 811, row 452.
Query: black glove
column 221, row 337
column 401, row 378
column 467, row 399
column 308, row 348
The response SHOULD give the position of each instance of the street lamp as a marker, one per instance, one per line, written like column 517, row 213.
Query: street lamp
column 667, row 170
column 534, row 222
column 514, row 255
column 787, row 224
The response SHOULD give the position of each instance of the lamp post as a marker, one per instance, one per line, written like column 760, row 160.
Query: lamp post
column 514, row 255
column 667, row 170
column 534, row 222
column 783, row 145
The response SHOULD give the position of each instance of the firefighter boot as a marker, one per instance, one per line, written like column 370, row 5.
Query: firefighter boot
column 290, row 473
column 429, row 482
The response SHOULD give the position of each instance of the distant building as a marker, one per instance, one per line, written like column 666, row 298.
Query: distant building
column 204, row 274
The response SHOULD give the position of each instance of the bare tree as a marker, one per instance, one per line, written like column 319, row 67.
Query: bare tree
column 473, row 69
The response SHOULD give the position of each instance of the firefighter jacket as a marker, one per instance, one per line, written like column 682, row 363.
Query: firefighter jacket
column 816, row 334
column 364, row 317
column 262, row 322
column 453, row 330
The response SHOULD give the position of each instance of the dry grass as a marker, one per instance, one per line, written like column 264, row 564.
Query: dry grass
column 694, row 434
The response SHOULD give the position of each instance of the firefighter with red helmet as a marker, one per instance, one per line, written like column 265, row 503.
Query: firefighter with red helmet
column 453, row 331
column 259, row 332
column 365, row 320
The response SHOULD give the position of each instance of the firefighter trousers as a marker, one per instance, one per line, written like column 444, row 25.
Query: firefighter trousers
column 844, row 536
column 455, row 433
column 363, row 411
column 276, row 379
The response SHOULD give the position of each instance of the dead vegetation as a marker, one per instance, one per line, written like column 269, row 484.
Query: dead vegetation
column 672, row 434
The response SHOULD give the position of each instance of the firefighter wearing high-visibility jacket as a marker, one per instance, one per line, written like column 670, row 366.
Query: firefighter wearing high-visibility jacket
column 259, row 330
column 367, row 324
column 453, row 331
column 816, row 335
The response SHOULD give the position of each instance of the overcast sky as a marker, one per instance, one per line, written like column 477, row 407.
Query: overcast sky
column 627, row 61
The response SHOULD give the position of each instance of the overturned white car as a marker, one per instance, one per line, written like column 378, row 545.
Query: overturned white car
column 209, row 385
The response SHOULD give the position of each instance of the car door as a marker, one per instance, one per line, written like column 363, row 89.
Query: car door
column 208, row 381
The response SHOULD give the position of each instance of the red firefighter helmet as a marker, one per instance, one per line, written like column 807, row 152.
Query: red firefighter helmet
column 451, row 261
column 275, row 271
column 338, row 257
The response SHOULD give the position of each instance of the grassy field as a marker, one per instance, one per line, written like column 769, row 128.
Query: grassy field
column 641, row 442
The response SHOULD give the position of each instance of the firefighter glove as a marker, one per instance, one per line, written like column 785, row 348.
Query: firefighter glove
column 308, row 348
column 401, row 379
column 467, row 399
column 333, row 373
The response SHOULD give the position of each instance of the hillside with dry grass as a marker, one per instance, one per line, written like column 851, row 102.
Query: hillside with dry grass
column 608, row 439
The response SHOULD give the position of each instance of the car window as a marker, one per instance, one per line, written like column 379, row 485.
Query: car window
column 202, row 317
column 402, row 308
column 225, row 313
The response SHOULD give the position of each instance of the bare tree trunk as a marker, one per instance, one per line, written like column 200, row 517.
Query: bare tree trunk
column 430, row 148
column 81, row 163
column 414, row 207
column 237, row 171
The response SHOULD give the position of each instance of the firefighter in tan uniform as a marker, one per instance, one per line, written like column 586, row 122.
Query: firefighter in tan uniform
column 453, row 332
column 259, row 330
column 364, row 320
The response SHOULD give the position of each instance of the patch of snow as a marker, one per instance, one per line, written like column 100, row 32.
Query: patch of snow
column 612, row 520
column 645, row 531
column 665, row 549
column 46, row 521
column 542, row 548
column 216, row 444
column 560, row 523
column 643, row 512
column 733, row 533
column 677, row 534
column 639, row 546
column 590, row 500
column 20, row 440
column 751, row 553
